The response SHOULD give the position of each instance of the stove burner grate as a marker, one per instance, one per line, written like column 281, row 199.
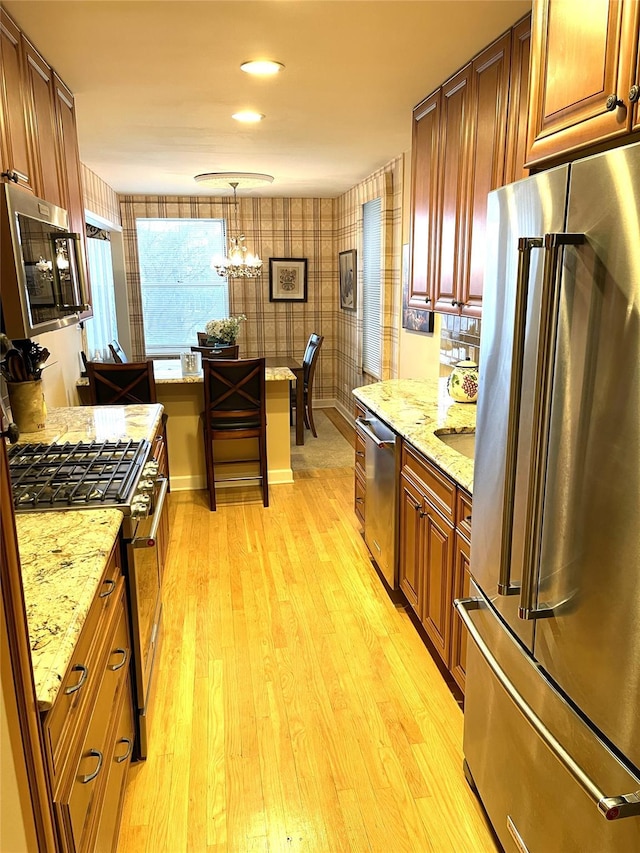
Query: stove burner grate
column 84, row 474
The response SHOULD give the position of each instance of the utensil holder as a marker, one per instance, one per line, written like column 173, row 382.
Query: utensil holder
column 28, row 408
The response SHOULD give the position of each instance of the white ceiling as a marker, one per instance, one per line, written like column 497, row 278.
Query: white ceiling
column 156, row 83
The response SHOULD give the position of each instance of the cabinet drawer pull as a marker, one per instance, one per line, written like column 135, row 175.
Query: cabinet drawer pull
column 634, row 93
column 427, row 300
column 467, row 519
column 129, row 743
column 112, row 585
column 91, row 776
column 423, row 513
column 84, row 672
column 114, row 667
column 359, row 500
column 612, row 102
column 359, row 453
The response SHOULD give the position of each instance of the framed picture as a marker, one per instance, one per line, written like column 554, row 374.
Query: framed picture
column 287, row 279
column 348, row 280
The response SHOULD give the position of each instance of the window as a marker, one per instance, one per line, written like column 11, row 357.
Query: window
column 101, row 328
column 181, row 290
column 372, row 288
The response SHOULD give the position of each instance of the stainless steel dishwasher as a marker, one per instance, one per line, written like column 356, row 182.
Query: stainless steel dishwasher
column 381, row 504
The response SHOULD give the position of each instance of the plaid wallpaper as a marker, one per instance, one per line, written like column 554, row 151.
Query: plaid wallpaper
column 385, row 184
column 311, row 228
column 99, row 197
column 273, row 227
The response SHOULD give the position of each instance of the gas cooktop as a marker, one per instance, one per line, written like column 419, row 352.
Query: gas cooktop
column 75, row 475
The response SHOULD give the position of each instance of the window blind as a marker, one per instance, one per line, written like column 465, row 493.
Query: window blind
column 101, row 328
column 181, row 291
column 372, row 287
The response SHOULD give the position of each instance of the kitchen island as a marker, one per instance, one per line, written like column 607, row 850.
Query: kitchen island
column 183, row 399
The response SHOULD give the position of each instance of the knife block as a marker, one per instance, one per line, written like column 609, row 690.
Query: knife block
column 28, row 408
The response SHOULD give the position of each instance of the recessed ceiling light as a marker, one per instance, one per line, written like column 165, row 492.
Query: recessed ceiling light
column 248, row 116
column 262, row 67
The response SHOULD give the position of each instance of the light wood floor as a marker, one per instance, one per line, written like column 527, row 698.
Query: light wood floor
column 296, row 708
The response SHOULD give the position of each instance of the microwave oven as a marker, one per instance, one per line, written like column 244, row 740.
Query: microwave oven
column 42, row 270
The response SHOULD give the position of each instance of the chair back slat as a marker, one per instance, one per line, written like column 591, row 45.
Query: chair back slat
column 234, row 390
column 121, row 384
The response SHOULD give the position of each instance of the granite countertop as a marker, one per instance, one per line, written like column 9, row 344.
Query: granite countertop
column 63, row 556
column 415, row 408
column 168, row 371
column 97, row 423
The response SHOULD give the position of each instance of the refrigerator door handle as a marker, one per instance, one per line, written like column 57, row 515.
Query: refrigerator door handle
column 530, row 607
column 612, row 808
column 525, row 246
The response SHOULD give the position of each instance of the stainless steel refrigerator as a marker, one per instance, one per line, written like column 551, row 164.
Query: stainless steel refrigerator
column 552, row 702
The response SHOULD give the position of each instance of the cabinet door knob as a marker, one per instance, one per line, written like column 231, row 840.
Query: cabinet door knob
column 428, row 300
column 634, row 93
column 612, row 102
column 453, row 302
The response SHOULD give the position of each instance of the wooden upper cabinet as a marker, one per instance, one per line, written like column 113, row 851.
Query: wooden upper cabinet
column 518, row 120
column 488, row 124
column 634, row 85
column 15, row 145
column 39, row 77
column 583, row 58
column 424, row 183
column 451, row 207
column 73, row 198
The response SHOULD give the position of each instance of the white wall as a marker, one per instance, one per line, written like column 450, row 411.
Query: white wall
column 62, row 370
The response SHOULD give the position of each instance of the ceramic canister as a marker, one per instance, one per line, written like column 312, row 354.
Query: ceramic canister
column 462, row 384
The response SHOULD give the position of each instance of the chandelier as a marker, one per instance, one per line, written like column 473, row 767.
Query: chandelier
column 239, row 262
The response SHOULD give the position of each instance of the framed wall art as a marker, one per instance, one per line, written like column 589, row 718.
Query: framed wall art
column 348, row 280
column 287, row 279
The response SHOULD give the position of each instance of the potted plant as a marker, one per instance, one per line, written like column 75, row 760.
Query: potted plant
column 224, row 332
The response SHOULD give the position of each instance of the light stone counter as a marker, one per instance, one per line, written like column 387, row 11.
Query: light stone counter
column 415, row 408
column 97, row 423
column 63, row 555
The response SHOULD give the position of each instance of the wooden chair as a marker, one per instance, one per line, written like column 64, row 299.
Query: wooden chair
column 309, row 362
column 230, row 351
column 118, row 354
column 234, row 408
column 126, row 384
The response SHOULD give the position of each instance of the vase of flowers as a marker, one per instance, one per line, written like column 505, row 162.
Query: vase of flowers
column 224, row 332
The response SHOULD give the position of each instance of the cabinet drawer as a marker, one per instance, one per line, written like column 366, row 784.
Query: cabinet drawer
column 359, row 497
column 361, row 450
column 463, row 513
column 84, row 784
column 439, row 489
column 82, row 676
column 119, row 761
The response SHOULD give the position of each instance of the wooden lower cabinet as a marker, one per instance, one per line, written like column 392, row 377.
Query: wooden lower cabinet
column 461, row 586
column 360, row 469
column 89, row 740
column 434, row 531
column 437, row 600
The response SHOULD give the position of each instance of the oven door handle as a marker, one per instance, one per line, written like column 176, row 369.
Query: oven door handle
column 149, row 540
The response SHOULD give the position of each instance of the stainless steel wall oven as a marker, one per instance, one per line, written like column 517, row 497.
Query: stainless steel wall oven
column 108, row 474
